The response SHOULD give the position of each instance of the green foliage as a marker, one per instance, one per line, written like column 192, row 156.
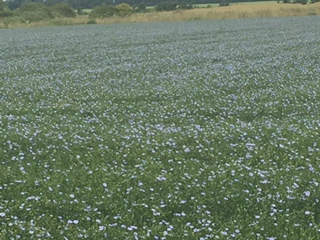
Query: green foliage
column 224, row 3
column 92, row 21
column 103, row 11
column 4, row 10
column 2, row 5
column 185, row 6
column 303, row 2
column 140, row 8
column 80, row 11
column 5, row 14
column 63, row 10
column 33, row 12
column 166, row 6
column 124, row 9
column 315, row 1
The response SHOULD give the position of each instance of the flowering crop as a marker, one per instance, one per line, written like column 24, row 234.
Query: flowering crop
column 193, row 130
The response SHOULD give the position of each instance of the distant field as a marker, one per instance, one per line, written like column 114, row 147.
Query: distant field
column 87, row 10
column 188, row 130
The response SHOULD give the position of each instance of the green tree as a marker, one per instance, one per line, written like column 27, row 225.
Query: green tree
column 103, row 11
column 224, row 3
column 33, row 12
column 140, row 8
column 63, row 10
column 166, row 6
column 4, row 10
column 124, row 9
column 2, row 5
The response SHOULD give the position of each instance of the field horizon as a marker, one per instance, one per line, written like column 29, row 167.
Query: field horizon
column 234, row 11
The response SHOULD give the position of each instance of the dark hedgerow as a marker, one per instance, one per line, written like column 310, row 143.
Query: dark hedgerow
column 303, row 2
column 103, row 11
column 4, row 14
column 63, row 10
column 185, row 6
column 166, row 6
column 4, row 10
column 224, row 3
column 33, row 12
column 141, row 8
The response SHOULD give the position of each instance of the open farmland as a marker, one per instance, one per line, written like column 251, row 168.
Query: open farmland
column 190, row 130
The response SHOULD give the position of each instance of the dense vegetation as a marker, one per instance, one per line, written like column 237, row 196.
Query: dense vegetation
column 33, row 12
column 27, row 12
column 190, row 130
column 89, row 4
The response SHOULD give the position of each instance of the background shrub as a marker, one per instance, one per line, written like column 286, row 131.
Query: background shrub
column 166, row 6
column 124, row 9
column 185, row 6
column 224, row 3
column 63, row 10
column 303, row 2
column 91, row 21
column 103, row 11
column 33, row 12
column 4, row 14
column 80, row 11
column 141, row 8
column 4, row 10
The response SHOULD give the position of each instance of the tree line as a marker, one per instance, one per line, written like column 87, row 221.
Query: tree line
column 90, row 4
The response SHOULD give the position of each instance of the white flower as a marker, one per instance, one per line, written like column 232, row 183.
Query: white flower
column 132, row 228
column 101, row 228
column 307, row 193
column 250, row 146
column 224, row 233
column 187, row 150
column 2, row 214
